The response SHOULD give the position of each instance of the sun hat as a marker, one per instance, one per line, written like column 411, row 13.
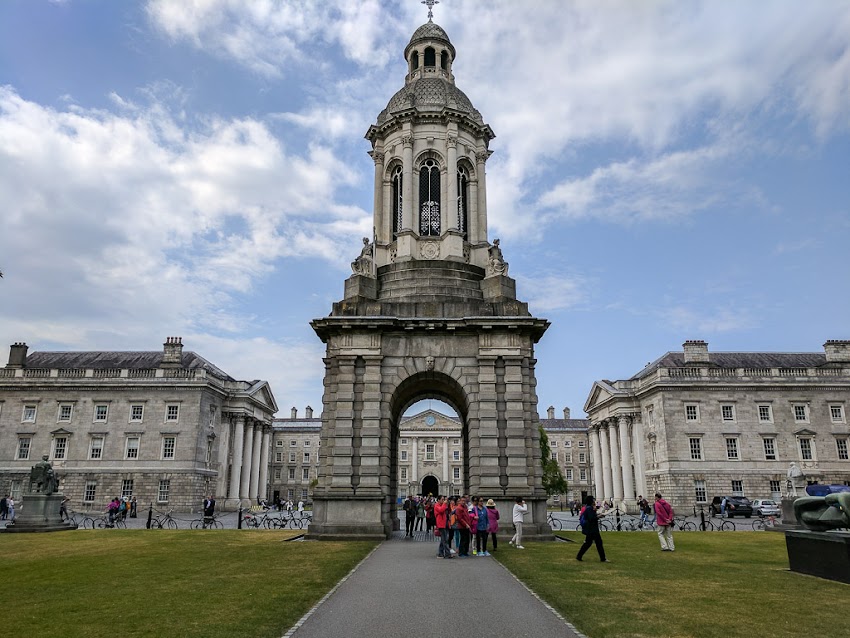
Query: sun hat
column 491, row 503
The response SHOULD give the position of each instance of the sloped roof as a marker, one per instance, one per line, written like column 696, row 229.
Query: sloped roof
column 740, row 360
column 565, row 424
column 116, row 359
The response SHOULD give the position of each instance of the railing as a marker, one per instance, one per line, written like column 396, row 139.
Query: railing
column 7, row 373
column 36, row 372
column 141, row 373
column 72, row 373
column 757, row 372
column 179, row 373
column 690, row 373
column 793, row 372
column 723, row 372
column 104, row 373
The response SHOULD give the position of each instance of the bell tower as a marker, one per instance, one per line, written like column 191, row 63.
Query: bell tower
column 428, row 312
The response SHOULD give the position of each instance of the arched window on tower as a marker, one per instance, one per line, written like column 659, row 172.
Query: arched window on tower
column 397, row 200
column 463, row 201
column 429, row 199
column 444, row 60
column 414, row 61
column 430, row 56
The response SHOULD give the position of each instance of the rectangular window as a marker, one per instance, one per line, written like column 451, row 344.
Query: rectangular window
column 836, row 413
column 455, row 455
column 581, row 457
column 699, row 491
column 65, row 411
column 306, row 458
column 582, row 475
column 208, row 455
column 277, row 474
column 581, row 443
column 691, row 412
column 96, row 448
column 24, row 443
column 292, row 474
column 568, row 457
column 403, row 475
column 404, row 441
column 101, row 412
column 172, row 412
column 292, row 457
column 455, row 441
column 60, row 447
column 765, row 414
column 293, row 443
column 649, row 415
column 168, row 444
column 290, row 494
column 800, row 414
column 132, row 451
column 841, row 444
column 554, row 444
column 429, row 451
column 137, row 412
column 568, row 443
column 696, row 449
column 90, row 492
column 774, row 487
column 404, row 455
column 456, row 473
column 769, row 449
column 732, row 449
column 304, row 495
column 278, row 457
column 15, row 490
column 162, row 494
column 568, row 473
column 727, row 412
column 806, row 449
column 305, row 474
column 29, row 414
column 307, row 443
column 737, row 488
column 554, row 455
column 127, row 488
column 279, row 443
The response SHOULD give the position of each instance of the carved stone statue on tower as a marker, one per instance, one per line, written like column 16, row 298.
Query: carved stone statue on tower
column 364, row 264
column 496, row 264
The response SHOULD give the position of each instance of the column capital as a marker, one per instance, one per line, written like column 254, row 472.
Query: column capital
column 377, row 156
column 407, row 140
column 451, row 141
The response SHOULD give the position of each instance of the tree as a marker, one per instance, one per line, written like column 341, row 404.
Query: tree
column 553, row 480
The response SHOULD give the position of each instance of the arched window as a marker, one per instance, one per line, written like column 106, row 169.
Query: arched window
column 414, row 61
column 430, row 56
column 429, row 199
column 396, row 181
column 463, row 201
column 444, row 60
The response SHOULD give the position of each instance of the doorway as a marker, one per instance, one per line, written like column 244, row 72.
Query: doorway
column 430, row 486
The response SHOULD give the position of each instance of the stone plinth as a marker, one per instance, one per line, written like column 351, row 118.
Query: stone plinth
column 40, row 513
column 822, row 554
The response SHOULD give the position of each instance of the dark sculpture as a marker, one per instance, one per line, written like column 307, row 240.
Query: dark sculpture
column 822, row 513
column 43, row 477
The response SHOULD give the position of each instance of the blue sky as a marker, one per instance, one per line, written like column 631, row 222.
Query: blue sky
column 662, row 171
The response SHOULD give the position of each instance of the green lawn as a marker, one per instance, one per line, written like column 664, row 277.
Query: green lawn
column 729, row 585
column 92, row 583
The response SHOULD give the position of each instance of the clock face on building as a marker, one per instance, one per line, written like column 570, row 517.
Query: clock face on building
column 430, row 420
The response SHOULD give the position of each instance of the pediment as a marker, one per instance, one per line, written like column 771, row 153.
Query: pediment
column 61, row 432
column 804, row 432
column 599, row 393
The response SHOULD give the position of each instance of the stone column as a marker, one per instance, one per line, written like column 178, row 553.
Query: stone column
column 446, row 476
column 407, row 186
column 616, row 467
column 597, row 460
column 637, row 447
column 254, row 488
column 481, row 158
column 414, row 460
column 472, row 231
column 450, row 220
column 606, row 461
column 384, row 230
column 263, row 487
column 236, row 457
column 626, row 450
column 247, row 452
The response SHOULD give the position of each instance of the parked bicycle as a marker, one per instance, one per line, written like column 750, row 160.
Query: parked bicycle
column 683, row 524
column 103, row 522
column 163, row 520
column 207, row 522
column 762, row 522
column 553, row 522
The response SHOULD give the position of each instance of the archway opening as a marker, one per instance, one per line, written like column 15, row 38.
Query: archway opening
column 430, row 486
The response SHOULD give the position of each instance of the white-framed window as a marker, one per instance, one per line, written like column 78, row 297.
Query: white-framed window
column 305, row 474
column 90, row 492
column 292, row 474
column 806, row 448
column 841, row 445
column 582, row 457
column 650, row 415
column 737, row 488
column 732, row 448
column 403, row 474
column 304, row 494
column 554, row 455
column 554, row 443
column 209, row 452
column 429, row 451
column 15, row 489
column 699, row 491
column 307, row 443
column 29, row 413
column 456, row 473
column 292, row 457
column 581, row 443
column 293, row 443
column 582, row 474
column 404, row 455
column 137, row 412
column 775, row 487
column 568, row 457
column 306, row 458
column 278, row 457
column 403, row 441
column 66, row 410
column 168, row 445
column 60, row 447
column 568, row 473
column 769, row 448
column 455, row 441
column 801, row 413
column 164, row 488
column 691, row 412
column 101, row 412
column 127, row 488
column 455, row 455
column 290, row 494
column 172, row 412
column 696, row 448
column 24, row 444
column 279, row 443
column 765, row 413
column 96, row 448
column 836, row 413
column 277, row 474
column 568, row 443
column 727, row 412
column 131, row 450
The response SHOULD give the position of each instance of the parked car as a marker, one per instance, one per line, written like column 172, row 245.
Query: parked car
column 735, row 506
column 765, row 507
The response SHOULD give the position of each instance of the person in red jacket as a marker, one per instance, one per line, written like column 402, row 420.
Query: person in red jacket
column 441, row 514
column 464, row 524
column 664, row 521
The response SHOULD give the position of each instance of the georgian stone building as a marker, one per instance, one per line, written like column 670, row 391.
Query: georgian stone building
column 695, row 424
column 569, row 443
column 166, row 427
column 295, row 456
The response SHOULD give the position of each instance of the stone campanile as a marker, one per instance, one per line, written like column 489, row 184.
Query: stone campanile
column 429, row 312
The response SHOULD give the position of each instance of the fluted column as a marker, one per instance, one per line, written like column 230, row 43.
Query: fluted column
column 616, row 467
column 640, row 463
column 255, row 461
column 263, row 488
column 247, row 451
column 236, row 457
column 446, row 476
column 451, row 179
column 414, row 461
column 606, row 461
column 597, row 460
column 480, row 159
column 626, row 450
column 383, row 229
column 407, row 185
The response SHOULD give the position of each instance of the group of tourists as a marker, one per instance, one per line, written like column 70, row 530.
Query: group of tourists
column 7, row 508
column 121, row 508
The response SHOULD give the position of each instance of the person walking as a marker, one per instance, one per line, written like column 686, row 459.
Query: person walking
column 482, row 528
column 664, row 520
column 4, row 507
column 209, row 510
column 420, row 514
column 441, row 515
column 520, row 510
column 409, row 508
column 133, row 505
column 10, row 504
column 464, row 525
column 473, row 524
column 590, row 528
column 493, row 517
column 643, row 506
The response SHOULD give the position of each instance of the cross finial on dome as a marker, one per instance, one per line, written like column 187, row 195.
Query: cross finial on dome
column 430, row 4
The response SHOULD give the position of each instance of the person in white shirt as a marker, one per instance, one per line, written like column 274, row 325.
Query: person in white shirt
column 300, row 506
column 520, row 509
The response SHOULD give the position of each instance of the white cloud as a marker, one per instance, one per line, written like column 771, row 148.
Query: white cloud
column 552, row 292
column 700, row 322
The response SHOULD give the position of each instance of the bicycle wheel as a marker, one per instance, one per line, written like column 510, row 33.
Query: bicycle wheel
column 727, row 526
column 216, row 524
column 196, row 524
column 120, row 523
column 709, row 526
column 689, row 527
column 758, row 525
column 172, row 524
column 556, row 524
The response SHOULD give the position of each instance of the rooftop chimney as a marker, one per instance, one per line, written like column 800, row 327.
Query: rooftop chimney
column 172, row 352
column 17, row 355
column 566, row 414
column 294, row 413
column 696, row 351
column 550, row 412
column 836, row 351
column 309, row 412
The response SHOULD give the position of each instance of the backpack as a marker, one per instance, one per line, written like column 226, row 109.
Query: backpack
column 582, row 519
column 453, row 520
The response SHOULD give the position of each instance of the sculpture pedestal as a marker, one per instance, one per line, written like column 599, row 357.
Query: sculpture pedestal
column 822, row 554
column 40, row 513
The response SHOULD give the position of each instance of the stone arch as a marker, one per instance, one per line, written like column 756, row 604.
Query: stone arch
column 426, row 155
